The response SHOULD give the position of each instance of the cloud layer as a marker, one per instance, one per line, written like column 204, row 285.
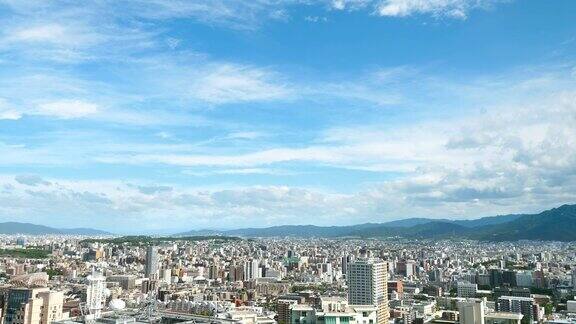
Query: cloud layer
column 141, row 113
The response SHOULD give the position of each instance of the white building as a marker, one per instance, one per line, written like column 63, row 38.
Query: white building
column 571, row 306
column 367, row 281
column 151, row 270
column 471, row 311
column 252, row 270
column 95, row 294
column 466, row 289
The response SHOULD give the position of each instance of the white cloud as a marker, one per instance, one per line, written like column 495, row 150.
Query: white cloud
column 67, row 109
column 7, row 112
column 350, row 4
column 51, row 33
column 227, row 83
column 439, row 8
column 246, row 135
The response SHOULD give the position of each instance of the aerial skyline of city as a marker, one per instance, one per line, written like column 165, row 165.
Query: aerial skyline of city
column 166, row 116
column 287, row 161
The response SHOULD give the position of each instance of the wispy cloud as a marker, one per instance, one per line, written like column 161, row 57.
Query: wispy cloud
column 67, row 109
column 228, row 83
column 8, row 112
column 458, row 9
column 437, row 8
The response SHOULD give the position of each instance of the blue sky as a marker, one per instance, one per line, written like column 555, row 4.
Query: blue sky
column 159, row 116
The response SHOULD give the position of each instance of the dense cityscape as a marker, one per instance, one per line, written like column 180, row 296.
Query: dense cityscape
column 71, row 279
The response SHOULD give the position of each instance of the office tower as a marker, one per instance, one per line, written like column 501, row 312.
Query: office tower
column 151, row 270
column 522, row 305
column 251, row 270
column 33, row 306
column 435, row 275
column 471, row 311
column 509, row 278
column 283, row 307
column 94, row 255
column 236, row 273
column 95, row 294
column 344, row 263
column 21, row 241
column 524, row 278
column 406, row 268
column 213, row 271
column 466, row 289
column 495, row 277
column 368, row 285
column 52, row 303
column 22, row 307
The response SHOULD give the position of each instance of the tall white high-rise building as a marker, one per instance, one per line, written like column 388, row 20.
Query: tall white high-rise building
column 367, row 281
column 95, row 294
column 151, row 270
column 471, row 311
column 252, row 269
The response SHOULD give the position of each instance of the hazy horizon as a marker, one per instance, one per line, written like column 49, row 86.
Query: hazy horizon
column 151, row 116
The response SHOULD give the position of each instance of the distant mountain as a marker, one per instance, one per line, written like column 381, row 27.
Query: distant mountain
column 33, row 229
column 201, row 233
column 26, row 228
column 490, row 220
column 409, row 222
column 287, row 230
column 83, row 231
column 558, row 224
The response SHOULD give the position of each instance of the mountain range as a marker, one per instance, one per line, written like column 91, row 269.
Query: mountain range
column 33, row 229
column 558, row 224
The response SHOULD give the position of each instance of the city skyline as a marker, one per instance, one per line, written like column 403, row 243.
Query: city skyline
column 151, row 116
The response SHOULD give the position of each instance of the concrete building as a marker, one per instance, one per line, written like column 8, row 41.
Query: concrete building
column 367, row 281
column 571, row 306
column 151, row 269
column 283, row 307
column 524, row 279
column 33, row 306
column 52, row 303
column 95, row 294
column 471, row 311
column 466, row 290
column 507, row 291
column 503, row 318
column 338, row 314
column 518, row 305
column 252, row 270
